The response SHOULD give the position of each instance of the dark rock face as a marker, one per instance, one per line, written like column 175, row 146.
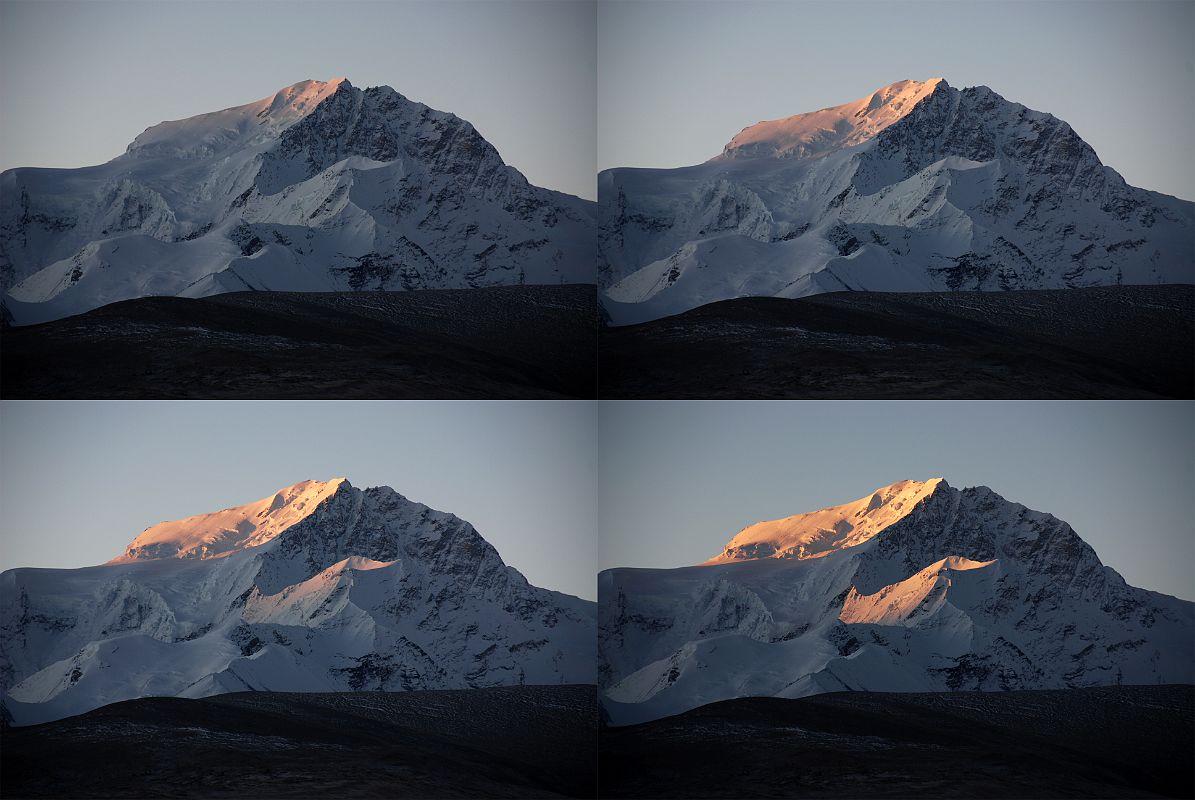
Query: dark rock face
column 382, row 125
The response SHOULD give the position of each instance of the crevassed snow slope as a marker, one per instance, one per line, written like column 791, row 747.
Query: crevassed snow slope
column 323, row 587
column 949, row 590
column 917, row 187
column 321, row 187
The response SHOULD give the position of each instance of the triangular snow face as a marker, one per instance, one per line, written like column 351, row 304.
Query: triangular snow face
column 319, row 187
column 919, row 187
column 958, row 590
column 334, row 589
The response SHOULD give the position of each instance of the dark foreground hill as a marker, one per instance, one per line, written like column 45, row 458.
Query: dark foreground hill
column 1100, row 342
column 1116, row 741
column 500, row 342
column 518, row 741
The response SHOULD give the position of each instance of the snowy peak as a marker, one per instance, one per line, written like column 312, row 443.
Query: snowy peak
column 319, row 187
column 222, row 533
column 297, row 100
column 820, row 132
column 961, row 591
column 918, row 187
column 350, row 590
column 207, row 134
column 818, row 533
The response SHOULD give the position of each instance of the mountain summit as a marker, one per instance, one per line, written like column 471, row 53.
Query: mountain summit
column 222, row 533
column 320, row 587
column 917, row 587
column 319, row 187
column 916, row 187
column 818, row 533
column 820, row 132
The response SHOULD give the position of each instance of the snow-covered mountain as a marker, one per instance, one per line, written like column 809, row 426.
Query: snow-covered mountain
column 322, row 587
column 917, row 187
column 321, row 187
column 918, row 587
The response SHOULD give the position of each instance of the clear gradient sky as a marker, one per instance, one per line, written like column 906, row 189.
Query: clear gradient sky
column 80, row 480
column 679, row 479
column 676, row 80
column 80, row 80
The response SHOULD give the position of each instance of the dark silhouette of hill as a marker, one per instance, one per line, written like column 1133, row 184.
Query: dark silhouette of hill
column 1099, row 342
column 1114, row 741
column 499, row 342
column 516, row 741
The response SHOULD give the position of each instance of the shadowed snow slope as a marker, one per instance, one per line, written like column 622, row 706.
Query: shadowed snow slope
column 321, row 187
column 917, row 187
column 323, row 587
column 917, row 587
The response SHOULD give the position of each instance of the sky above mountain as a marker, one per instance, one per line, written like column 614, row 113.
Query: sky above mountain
column 679, row 480
column 79, row 481
column 95, row 75
column 677, row 81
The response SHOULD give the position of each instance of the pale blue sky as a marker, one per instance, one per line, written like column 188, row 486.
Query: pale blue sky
column 80, row 480
column 679, row 479
column 676, row 80
column 79, row 80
